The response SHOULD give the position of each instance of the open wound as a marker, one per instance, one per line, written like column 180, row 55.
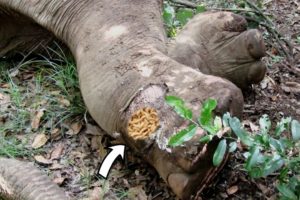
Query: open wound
column 142, row 123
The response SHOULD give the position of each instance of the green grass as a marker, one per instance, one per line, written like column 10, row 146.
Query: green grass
column 52, row 86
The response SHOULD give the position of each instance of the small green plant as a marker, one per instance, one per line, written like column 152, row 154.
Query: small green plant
column 176, row 18
column 268, row 151
column 298, row 40
column 51, row 86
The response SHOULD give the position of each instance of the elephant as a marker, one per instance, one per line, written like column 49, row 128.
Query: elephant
column 126, row 67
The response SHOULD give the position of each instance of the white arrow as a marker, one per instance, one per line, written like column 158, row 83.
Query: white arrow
column 117, row 150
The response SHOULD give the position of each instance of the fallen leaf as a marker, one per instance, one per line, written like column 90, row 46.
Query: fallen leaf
column 39, row 141
column 78, row 154
column 104, row 192
column 4, row 102
column 64, row 102
column 55, row 92
column 4, row 85
column 96, row 142
column 232, row 190
column 96, row 194
column 137, row 193
column 263, row 188
column 59, row 180
column 292, row 87
column 74, row 128
column 56, row 166
column 223, row 195
column 42, row 160
column 55, row 134
column 57, row 152
column 35, row 122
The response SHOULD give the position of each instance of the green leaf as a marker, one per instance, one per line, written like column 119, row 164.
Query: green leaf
column 210, row 129
column 283, row 173
column 295, row 126
column 183, row 136
column 168, row 15
column 179, row 107
column 226, row 117
column 220, row 152
column 237, row 129
column 200, row 8
column 294, row 185
column 183, row 112
column 174, row 101
column 282, row 125
column 285, row 191
column 256, row 172
column 277, row 145
column 273, row 165
column 265, row 124
column 205, row 118
column 184, row 15
column 206, row 139
column 232, row 147
column 217, row 123
column 253, row 158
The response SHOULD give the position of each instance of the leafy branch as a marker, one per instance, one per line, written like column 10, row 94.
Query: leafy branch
column 268, row 151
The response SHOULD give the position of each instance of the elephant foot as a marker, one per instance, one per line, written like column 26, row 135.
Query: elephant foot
column 150, row 122
column 218, row 43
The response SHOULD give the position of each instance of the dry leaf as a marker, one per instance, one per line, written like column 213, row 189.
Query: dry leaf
column 55, row 92
column 55, row 134
column 74, row 128
column 35, row 122
column 4, row 102
column 42, row 160
column 56, row 166
column 95, row 194
column 232, row 190
column 104, row 192
column 223, row 195
column 59, row 180
column 263, row 188
column 137, row 193
column 291, row 87
column 4, row 85
column 64, row 102
column 57, row 152
column 39, row 141
column 96, row 142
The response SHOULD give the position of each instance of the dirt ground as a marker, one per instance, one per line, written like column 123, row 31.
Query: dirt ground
column 73, row 149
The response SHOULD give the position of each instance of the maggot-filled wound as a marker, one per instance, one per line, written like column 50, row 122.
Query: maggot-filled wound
column 142, row 123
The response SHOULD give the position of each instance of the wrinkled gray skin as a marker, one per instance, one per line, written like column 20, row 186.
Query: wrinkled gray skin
column 123, row 65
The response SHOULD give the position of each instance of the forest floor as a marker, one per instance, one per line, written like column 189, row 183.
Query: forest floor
column 43, row 119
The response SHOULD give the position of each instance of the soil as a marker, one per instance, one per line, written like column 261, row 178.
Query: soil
column 75, row 166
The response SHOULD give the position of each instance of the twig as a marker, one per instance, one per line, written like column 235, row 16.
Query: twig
column 235, row 10
column 193, row 6
column 276, row 34
column 185, row 3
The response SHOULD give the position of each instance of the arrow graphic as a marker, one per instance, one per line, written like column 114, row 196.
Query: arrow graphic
column 117, row 150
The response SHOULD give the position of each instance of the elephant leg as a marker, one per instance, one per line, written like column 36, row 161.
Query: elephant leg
column 218, row 43
column 20, row 34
